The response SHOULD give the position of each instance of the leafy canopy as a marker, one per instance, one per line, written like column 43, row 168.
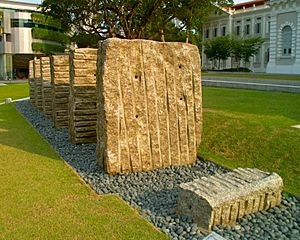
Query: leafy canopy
column 130, row 19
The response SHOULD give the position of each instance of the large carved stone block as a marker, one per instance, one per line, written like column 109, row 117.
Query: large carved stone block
column 60, row 82
column 82, row 105
column 46, row 86
column 31, row 83
column 223, row 199
column 150, row 105
column 38, row 84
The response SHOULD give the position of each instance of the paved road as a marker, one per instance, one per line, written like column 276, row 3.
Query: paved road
column 253, row 83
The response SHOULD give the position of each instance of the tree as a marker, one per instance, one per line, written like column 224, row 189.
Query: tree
column 243, row 49
column 130, row 18
column 218, row 48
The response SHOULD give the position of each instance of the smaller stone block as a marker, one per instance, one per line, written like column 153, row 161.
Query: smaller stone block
column 223, row 199
column 38, row 84
column 46, row 86
column 83, row 98
column 60, row 83
column 31, row 83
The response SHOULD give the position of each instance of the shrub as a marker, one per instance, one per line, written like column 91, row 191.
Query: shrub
column 46, row 34
column 47, row 48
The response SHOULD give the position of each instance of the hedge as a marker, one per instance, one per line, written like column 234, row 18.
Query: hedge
column 45, row 20
column 47, row 48
column 45, row 34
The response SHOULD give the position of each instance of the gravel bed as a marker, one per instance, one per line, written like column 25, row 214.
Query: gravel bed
column 154, row 193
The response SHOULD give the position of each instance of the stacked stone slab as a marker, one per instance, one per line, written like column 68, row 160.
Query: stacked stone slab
column 46, row 86
column 31, row 83
column 38, row 84
column 223, row 199
column 82, row 105
column 150, row 105
column 60, row 90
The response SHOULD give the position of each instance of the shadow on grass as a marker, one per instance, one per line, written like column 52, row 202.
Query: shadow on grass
column 15, row 132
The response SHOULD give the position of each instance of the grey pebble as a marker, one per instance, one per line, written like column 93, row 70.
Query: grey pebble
column 154, row 193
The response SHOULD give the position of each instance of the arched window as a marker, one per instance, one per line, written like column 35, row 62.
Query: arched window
column 287, row 40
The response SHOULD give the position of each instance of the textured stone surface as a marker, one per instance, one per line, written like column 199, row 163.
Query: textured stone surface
column 31, row 83
column 82, row 105
column 46, row 86
column 37, row 84
column 223, row 199
column 60, row 82
column 150, row 105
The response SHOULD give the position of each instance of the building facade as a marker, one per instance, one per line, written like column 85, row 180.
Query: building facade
column 22, row 37
column 276, row 21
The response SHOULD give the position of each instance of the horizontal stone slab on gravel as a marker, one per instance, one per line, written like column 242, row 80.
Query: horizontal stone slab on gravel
column 223, row 199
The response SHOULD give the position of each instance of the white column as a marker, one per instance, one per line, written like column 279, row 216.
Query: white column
column 271, row 67
column 296, row 68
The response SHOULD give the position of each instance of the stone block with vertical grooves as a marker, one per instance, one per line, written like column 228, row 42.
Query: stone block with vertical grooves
column 223, row 199
column 150, row 105
column 31, row 83
column 60, row 82
column 46, row 86
column 82, row 104
column 38, row 84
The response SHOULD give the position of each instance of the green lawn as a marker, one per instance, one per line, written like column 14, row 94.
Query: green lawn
column 244, row 128
column 250, row 75
column 42, row 198
column 14, row 91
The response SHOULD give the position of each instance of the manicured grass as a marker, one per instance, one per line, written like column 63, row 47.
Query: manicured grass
column 42, row 198
column 251, row 75
column 244, row 128
column 14, row 91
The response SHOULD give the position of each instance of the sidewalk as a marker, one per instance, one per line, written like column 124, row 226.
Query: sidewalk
column 252, row 83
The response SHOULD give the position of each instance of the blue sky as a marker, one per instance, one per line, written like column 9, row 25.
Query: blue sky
column 39, row 1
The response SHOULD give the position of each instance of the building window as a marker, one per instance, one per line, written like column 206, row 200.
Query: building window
column 238, row 30
column 0, row 38
column 247, row 29
column 8, row 37
column 207, row 33
column 258, row 28
column 267, row 59
column 287, row 40
column 257, row 57
column 215, row 32
column 224, row 31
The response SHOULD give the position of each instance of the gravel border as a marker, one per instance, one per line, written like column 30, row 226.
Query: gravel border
column 154, row 193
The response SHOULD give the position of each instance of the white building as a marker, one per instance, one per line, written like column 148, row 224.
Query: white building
column 16, row 38
column 276, row 21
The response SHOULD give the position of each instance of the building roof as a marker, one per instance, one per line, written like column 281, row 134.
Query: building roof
column 248, row 4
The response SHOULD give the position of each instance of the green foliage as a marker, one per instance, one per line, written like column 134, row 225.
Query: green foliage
column 218, row 48
column 46, row 20
column 47, row 48
column 148, row 19
column 46, row 34
column 243, row 49
column 84, row 40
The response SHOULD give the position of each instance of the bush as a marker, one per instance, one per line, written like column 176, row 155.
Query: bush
column 45, row 20
column 46, row 34
column 47, row 48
